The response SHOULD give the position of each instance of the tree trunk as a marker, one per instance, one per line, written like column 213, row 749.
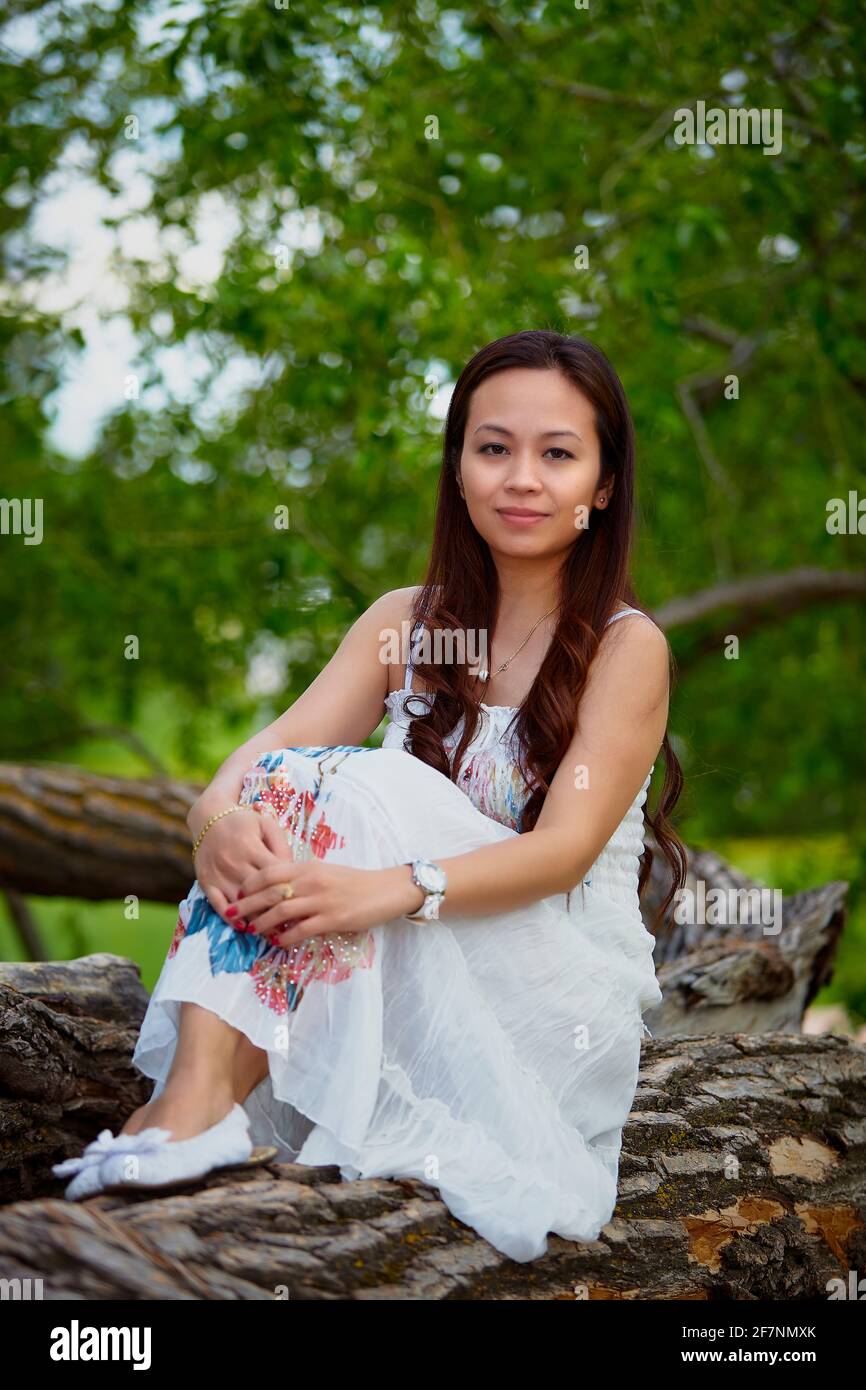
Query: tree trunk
column 67, row 1033
column 78, row 835
column 743, row 1176
column 743, row 1170
column 747, row 964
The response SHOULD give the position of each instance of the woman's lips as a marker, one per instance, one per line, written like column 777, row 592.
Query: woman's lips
column 518, row 518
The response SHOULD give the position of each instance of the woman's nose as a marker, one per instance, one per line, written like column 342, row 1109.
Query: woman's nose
column 524, row 473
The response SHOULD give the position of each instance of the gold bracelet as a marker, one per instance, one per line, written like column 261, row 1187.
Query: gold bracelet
column 208, row 823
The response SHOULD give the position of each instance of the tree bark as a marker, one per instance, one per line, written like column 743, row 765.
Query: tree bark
column 67, row 1034
column 80, row 835
column 743, row 1171
column 757, row 968
column 742, row 1176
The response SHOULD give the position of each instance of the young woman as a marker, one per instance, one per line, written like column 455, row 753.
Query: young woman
column 428, row 959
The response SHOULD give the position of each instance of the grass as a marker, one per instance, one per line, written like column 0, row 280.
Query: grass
column 73, row 927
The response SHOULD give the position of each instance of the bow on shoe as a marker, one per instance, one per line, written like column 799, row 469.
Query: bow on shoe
column 147, row 1141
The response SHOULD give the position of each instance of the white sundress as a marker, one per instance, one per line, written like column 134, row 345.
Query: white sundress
column 494, row 1058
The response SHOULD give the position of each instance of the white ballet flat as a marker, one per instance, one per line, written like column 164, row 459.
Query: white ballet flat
column 167, row 1162
column 86, row 1167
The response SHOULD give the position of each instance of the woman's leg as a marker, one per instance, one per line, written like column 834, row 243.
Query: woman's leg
column 323, row 797
column 251, row 1068
column 214, row 1066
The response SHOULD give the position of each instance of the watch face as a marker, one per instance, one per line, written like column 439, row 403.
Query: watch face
column 431, row 878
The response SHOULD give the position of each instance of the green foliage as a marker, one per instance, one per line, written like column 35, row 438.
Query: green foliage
column 309, row 127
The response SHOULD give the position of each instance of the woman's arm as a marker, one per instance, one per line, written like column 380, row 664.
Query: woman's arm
column 623, row 717
column 343, row 705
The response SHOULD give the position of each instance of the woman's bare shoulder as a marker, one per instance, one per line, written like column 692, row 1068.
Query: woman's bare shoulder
column 634, row 651
column 397, row 604
column 628, row 620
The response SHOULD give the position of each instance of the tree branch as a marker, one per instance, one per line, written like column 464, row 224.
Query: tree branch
column 765, row 598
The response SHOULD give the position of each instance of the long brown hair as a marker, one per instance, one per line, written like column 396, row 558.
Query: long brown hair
column 461, row 591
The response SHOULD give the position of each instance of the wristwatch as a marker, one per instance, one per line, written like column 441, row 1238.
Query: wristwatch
column 432, row 879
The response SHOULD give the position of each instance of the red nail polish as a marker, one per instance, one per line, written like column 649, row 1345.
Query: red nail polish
column 231, row 911
column 240, row 894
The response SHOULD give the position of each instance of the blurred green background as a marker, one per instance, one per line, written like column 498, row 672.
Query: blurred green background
column 247, row 251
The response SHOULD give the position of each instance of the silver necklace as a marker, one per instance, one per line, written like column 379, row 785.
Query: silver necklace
column 486, row 676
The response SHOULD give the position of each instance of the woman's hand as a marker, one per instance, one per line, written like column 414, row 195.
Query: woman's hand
column 326, row 898
column 235, row 847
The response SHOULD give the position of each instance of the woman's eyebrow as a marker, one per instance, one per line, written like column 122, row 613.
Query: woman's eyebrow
column 546, row 434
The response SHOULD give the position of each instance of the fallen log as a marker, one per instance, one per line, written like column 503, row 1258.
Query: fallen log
column 67, row 1034
column 68, row 1029
column 743, row 1176
column 76, row 834
column 748, row 963
column 742, row 1172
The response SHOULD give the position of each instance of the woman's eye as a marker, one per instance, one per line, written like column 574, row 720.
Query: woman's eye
column 554, row 449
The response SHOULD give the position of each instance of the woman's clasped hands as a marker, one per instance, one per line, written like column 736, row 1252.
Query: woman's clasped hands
column 290, row 901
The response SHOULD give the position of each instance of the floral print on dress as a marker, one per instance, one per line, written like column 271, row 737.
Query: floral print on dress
column 490, row 775
column 266, row 785
column 179, row 934
column 280, row 974
column 495, row 787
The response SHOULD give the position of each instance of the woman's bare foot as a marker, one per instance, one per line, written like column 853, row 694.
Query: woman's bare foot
column 199, row 1093
column 184, row 1109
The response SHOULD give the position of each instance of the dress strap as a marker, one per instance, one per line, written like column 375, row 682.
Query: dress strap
column 407, row 684
column 625, row 612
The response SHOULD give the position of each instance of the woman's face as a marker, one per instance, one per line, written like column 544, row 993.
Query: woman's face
column 530, row 446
